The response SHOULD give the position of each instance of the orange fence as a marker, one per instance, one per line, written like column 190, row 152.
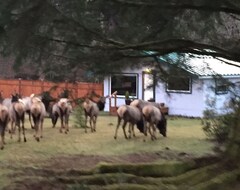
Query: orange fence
column 28, row 87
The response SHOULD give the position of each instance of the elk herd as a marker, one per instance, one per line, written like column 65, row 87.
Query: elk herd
column 14, row 109
column 147, row 116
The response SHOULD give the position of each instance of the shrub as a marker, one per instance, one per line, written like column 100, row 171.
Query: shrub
column 78, row 115
column 213, row 124
column 218, row 127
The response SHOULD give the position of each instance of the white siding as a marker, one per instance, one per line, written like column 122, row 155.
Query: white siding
column 191, row 105
column 221, row 99
column 182, row 103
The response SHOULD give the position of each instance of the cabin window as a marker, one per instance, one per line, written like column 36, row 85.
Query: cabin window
column 122, row 83
column 221, row 86
column 179, row 84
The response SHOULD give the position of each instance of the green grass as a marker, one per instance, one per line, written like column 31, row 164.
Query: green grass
column 184, row 135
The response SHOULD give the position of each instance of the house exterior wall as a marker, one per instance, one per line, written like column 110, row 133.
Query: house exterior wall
column 184, row 104
column 194, row 103
column 221, row 100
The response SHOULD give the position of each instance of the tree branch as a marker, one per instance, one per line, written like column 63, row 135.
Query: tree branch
column 173, row 5
column 160, row 47
column 97, row 34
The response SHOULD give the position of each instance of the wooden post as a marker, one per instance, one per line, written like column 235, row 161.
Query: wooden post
column 42, row 85
column 113, row 109
column 154, row 85
column 115, row 100
column 75, row 89
column 20, row 86
column 110, row 105
column 66, row 84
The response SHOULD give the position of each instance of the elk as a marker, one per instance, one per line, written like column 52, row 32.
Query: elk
column 153, row 116
column 4, row 119
column 133, row 116
column 61, row 109
column 37, row 112
column 91, row 110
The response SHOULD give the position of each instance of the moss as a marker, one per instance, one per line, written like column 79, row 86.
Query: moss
column 194, row 176
column 114, row 187
column 169, row 176
column 220, row 182
column 153, row 170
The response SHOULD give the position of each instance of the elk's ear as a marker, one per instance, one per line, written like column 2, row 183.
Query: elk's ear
column 115, row 93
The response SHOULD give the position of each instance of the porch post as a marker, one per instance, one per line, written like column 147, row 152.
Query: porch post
column 154, row 85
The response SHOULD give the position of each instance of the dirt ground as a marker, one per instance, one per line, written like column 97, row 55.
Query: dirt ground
column 86, row 162
column 37, row 178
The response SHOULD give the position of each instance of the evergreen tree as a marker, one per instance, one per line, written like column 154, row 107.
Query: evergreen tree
column 103, row 36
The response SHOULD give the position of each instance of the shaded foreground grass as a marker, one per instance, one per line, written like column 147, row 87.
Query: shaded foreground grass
column 44, row 164
column 208, row 173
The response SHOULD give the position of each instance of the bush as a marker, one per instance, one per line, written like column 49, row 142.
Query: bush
column 78, row 115
column 218, row 127
column 212, row 123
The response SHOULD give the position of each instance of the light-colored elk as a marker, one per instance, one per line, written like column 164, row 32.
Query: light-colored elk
column 37, row 112
column 91, row 110
column 17, row 114
column 4, row 119
column 153, row 119
column 27, row 102
column 62, row 109
column 162, row 124
column 141, row 103
column 8, row 103
column 131, row 115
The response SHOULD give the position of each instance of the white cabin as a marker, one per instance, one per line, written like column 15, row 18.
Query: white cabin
column 184, row 96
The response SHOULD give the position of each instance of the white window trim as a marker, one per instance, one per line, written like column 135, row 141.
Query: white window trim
column 125, row 74
column 181, row 91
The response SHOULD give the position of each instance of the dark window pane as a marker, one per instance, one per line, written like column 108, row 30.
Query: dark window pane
column 221, row 86
column 179, row 84
column 123, row 83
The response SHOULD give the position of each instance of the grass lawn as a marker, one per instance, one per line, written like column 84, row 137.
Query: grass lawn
column 184, row 135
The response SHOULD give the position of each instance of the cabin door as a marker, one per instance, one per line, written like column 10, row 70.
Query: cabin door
column 148, row 92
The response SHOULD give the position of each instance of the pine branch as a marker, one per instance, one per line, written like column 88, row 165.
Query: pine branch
column 77, row 23
column 173, row 5
column 161, row 47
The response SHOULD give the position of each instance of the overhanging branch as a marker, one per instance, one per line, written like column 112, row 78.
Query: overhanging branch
column 173, row 5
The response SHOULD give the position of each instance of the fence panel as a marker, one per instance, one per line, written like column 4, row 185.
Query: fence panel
column 28, row 87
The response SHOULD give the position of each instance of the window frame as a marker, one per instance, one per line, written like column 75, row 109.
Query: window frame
column 136, row 75
column 221, row 83
column 180, row 91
